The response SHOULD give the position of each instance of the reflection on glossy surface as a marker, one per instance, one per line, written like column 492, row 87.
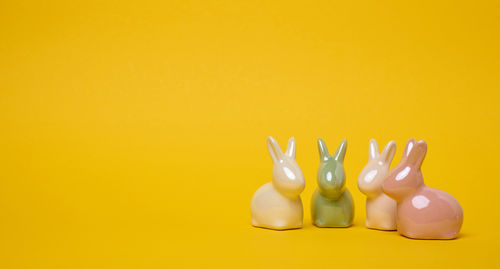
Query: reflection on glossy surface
column 332, row 204
column 422, row 212
column 370, row 176
column 420, row 202
column 401, row 175
column 277, row 204
column 380, row 208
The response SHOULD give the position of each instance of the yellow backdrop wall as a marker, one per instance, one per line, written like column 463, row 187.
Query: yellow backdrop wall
column 133, row 132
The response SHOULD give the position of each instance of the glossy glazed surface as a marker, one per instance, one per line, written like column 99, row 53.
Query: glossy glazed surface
column 277, row 204
column 422, row 212
column 331, row 203
column 380, row 208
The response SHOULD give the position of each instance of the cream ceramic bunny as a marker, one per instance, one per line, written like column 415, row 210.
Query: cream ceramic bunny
column 422, row 212
column 277, row 204
column 380, row 208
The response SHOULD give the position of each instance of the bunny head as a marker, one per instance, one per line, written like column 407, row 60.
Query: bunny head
column 331, row 175
column 373, row 174
column 287, row 176
column 406, row 177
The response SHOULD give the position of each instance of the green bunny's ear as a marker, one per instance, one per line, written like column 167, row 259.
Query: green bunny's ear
column 341, row 150
column 323, row 150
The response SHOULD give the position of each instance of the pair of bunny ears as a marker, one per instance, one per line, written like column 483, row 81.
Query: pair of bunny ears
column 413, row 154
column 277, row 154
column 339, row 154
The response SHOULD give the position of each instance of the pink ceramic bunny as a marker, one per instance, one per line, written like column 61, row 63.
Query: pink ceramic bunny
column 422, row 212
column 380, row 208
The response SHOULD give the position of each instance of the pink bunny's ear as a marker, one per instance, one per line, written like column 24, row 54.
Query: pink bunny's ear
column 291, row 148
column 274, row 150
column 408, row 148
column 388, row 152
column 417, row 154
column 373, row 149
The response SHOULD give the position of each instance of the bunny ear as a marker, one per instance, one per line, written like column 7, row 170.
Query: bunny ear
column 373, row 149
column 388, row 152
column 291, row 148
column 323, row 150
column 417, row 154
column 274, row 149
column 409, row 146
column 340, row 153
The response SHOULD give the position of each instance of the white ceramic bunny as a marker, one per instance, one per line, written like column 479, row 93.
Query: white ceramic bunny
column 277, row 204
column 380, row 208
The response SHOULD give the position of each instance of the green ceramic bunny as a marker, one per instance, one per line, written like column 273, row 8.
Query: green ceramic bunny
column 332, row 204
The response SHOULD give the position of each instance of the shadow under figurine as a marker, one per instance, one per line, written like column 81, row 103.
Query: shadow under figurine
column 332, row 204
column 277, row 204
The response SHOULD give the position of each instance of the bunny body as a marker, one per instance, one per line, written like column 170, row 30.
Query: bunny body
column 277, row 204
column 271, row 209
column 381, row 213
column 332, row 204
column 442, row 220
column 422, row 212
column 380, row 208
column 332, row 213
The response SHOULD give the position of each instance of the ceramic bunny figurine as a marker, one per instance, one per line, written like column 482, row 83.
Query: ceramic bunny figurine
column 380, row 208
column 277, row 204
column 422, row 212
column 332, row 204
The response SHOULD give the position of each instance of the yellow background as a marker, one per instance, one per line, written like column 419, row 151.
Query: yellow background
column 133, row 133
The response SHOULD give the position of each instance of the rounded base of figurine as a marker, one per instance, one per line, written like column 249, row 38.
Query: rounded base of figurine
column 434, row 237
column 277, row 228
column 332, row 226
column 385, row 229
